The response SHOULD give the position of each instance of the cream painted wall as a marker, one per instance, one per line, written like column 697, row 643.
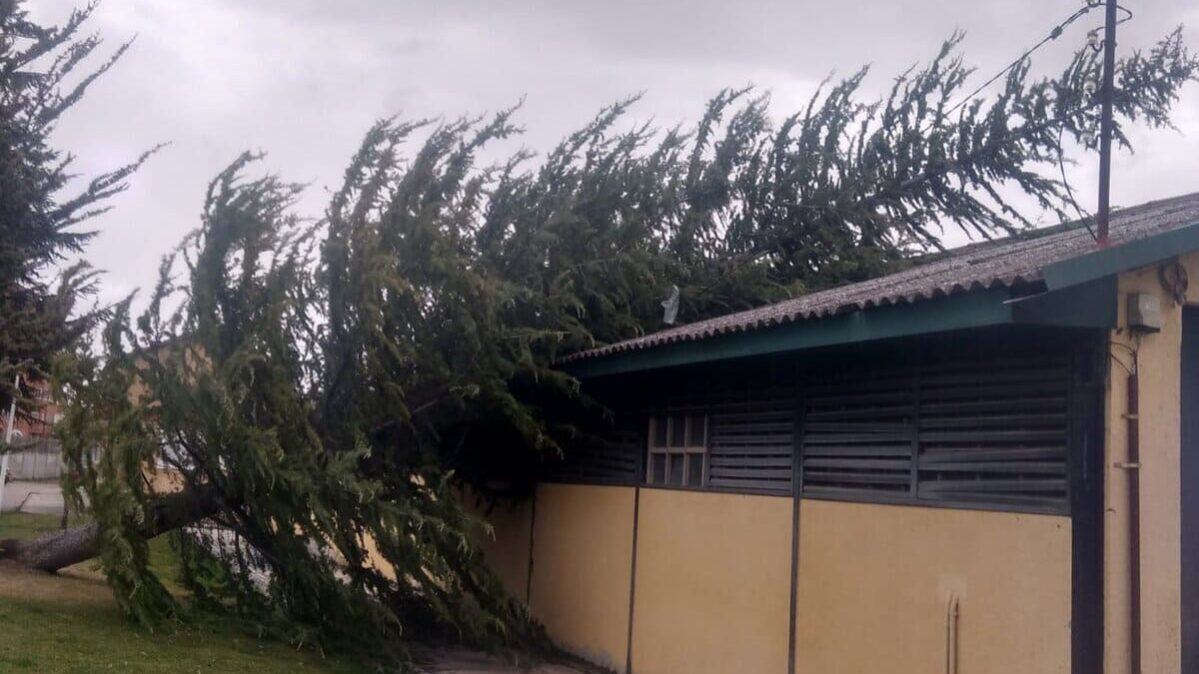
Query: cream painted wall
column 713, row 591
column 875, row 581
column 582, row 568
column 506, row 548
column 713, row 583
column 1158, row 356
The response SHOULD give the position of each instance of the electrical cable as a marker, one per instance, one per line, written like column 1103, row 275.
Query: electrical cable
column 1053, row 35
column 1093, row 40
column 1083, row 216
column 1132, row 352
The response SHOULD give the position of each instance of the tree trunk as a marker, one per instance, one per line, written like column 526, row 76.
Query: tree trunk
column 60, row 549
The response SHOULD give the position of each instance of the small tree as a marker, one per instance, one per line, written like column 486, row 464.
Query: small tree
column 40, row 215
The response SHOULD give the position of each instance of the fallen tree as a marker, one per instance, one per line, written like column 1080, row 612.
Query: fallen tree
column 57, row 550
column 321, row 385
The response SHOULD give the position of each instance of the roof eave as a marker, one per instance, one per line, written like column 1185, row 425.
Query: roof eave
column 1124, row 257
column 1086, row 305
column 1079, row 292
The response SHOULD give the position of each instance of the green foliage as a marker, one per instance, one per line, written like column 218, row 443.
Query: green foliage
column 39, row 213
column 330, row 380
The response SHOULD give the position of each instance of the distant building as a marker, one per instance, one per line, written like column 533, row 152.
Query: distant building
column 38, row 426
column 37, row 453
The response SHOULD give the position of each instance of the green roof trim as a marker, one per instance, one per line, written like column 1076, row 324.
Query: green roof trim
column 1125, row 257
column 1091, row 305
column 967, row 310
column 1087, row 305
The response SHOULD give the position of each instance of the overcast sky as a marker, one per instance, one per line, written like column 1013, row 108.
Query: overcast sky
column 303, row 79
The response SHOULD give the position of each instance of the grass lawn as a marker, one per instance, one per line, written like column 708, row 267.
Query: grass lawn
column 68, row 623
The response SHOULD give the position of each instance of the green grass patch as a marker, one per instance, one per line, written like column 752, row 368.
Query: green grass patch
column 21, row 525
column 63, row 636
column 163, row 559
column 68, row 623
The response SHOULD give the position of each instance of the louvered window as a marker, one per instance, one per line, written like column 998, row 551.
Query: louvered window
column 740, row 441
column 612, row 460
column 948, row 429
column 995, row 432
column 985, row 431
column 752, row 445
column 858, row 434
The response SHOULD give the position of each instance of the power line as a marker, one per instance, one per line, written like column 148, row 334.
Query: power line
column 1094, row 44
column 1083, row 216
column 1053, row 35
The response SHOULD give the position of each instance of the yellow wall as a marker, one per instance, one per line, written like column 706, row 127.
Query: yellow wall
column 1159, row 358
column 506, row 548
column 582, row 567
column 713, row 583
column 875, row 581
column 163, row 480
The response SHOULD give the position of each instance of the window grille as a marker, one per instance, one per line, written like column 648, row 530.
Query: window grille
column 678, row 450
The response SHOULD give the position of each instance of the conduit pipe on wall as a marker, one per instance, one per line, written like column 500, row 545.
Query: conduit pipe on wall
column 1134, row 517
column 952, row 613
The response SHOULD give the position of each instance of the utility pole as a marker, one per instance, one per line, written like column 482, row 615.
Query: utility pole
column 1105, row 125
column 1103, row 218
column 12, row 417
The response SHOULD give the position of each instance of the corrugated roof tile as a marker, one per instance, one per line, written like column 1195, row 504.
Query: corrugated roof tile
column 1009, row 262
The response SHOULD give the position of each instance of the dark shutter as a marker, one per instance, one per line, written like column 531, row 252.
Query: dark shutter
column 614, row 459
column 750, row 444
column 988, row 428
column 858, row 433
column 995, row 431
column 983, row 430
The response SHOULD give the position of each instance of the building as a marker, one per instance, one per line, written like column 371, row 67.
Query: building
column 37, row 453
column 985, row 463
column 38, row 425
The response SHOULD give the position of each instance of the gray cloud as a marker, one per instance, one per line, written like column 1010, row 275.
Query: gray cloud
column 303, row 79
